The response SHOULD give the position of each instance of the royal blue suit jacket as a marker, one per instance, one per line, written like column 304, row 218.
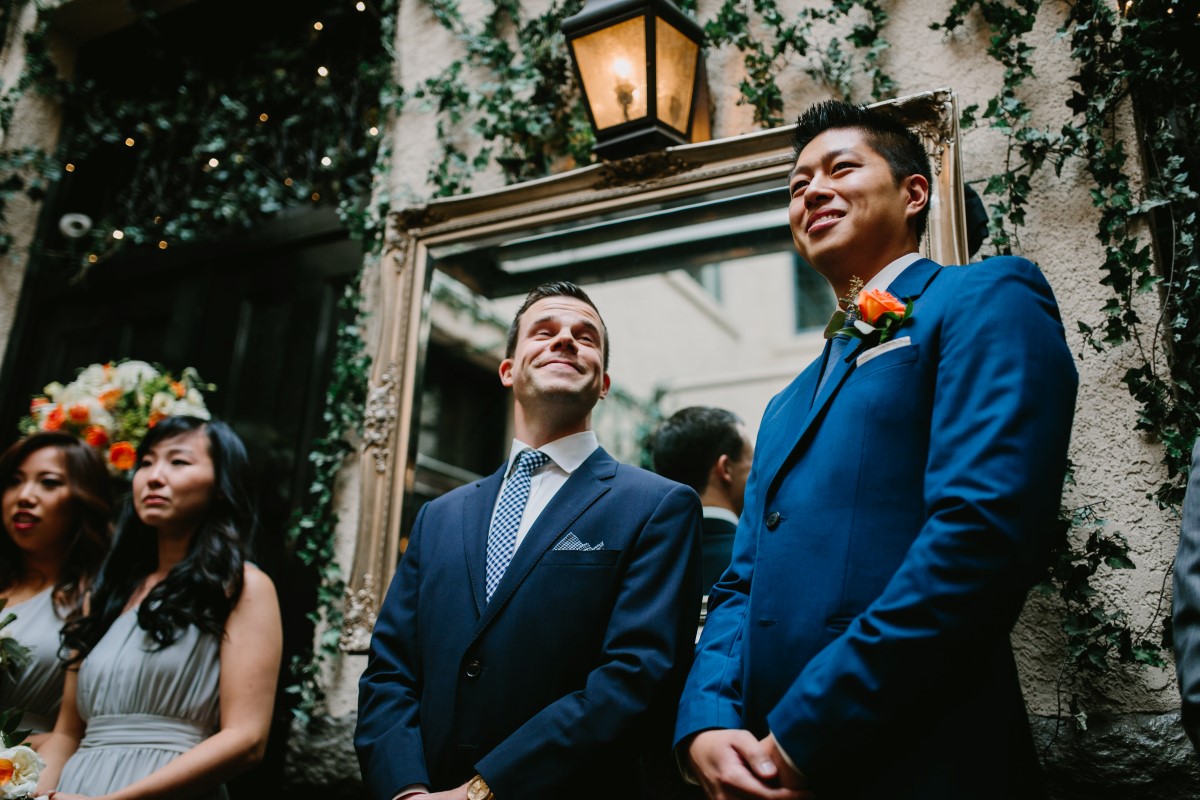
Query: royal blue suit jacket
column 565, row 683
column 893, row 524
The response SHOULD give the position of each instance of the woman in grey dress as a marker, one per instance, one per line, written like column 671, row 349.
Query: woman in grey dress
column 57, row 501
column 179, row 652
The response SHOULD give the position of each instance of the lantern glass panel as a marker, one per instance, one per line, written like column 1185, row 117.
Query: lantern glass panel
column 612, row 65
column 675, row 55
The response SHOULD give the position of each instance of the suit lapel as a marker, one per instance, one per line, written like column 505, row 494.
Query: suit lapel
column 585, row 486
column 910, row 284
column 477, row 519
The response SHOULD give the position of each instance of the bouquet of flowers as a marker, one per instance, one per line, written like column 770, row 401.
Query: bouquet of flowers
column 19, row 765
column 111, row 406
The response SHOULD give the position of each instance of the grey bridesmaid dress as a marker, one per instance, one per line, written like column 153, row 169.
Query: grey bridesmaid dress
column 142, row 707
column 38, row 690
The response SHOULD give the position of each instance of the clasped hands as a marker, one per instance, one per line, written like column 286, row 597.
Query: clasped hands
column 734, row 765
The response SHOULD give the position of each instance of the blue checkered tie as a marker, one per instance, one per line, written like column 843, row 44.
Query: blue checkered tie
column 502, row 538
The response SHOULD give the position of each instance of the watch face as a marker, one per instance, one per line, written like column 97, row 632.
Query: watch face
column 478, row 789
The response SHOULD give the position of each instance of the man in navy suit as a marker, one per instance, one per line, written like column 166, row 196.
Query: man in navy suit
column 536, row 635
column 900, row 503
column 709, row 450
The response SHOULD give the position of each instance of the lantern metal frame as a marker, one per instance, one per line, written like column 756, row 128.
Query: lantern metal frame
column 645, row 133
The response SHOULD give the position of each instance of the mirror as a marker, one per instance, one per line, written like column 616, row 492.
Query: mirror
column 688, row 256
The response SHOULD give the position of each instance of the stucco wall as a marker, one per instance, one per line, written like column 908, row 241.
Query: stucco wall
column 1114, row 466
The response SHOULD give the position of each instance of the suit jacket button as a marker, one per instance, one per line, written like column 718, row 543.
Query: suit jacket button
column 473, row 669
column 773, row 520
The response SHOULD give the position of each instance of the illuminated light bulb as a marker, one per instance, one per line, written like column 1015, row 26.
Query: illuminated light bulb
column 118, row 234
column 162, row 245
column 622, row 68
column 93, row 258
column 69, row 167
column 214, row 163
column 317, row 25
column 373, row 131
column 263, row 117
column 326, row 161
column 322, row 72
column 316, row 196
column 287, row 181
column 360, row 5
column 129, row 142
column 158, row 220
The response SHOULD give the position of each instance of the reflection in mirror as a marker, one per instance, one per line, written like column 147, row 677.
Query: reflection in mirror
column 686, row 252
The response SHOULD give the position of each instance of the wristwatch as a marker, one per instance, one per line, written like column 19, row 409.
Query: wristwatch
column 477, row 789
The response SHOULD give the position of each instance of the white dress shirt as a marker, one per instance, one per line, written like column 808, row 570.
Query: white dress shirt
column 566, row 455
column 883, row 279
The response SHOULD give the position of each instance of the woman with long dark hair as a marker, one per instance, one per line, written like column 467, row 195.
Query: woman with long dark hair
column 57, row 502
column 179, row 654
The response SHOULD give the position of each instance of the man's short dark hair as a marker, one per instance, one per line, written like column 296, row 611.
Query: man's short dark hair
column 690, row 442
column 541, row 292
column 886, row 133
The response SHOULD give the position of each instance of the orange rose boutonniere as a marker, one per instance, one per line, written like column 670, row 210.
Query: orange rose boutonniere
column 876, row 316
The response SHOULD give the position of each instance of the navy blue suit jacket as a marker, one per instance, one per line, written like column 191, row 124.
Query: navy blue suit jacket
column 893, row 524
column 565, row 684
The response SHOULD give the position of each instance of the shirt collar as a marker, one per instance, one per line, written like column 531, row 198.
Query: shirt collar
column 567, row 453
column 883, row 279
column 718, row 512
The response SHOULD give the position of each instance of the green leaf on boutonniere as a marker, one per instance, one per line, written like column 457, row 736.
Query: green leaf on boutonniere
column 835, row 324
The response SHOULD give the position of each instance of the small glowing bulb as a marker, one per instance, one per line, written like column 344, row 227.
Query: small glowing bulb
column 622, row 68
column 129, row 142
column 239, row 158
column 158, row 220
column 360, row 5
column 1170, row 10
column 326, row 161
column 316, row 196
column 263, row 117
column 318, row 25
column 69, row 167
column 162, row 245
column 322, row 72
column 373, row 131
column 118, row 234
column 214, row 163
column 287, row 181
column 93, row 258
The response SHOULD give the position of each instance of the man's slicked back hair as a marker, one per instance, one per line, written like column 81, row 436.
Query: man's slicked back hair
column 886, row 133
column 541, row 292
column 688, row 444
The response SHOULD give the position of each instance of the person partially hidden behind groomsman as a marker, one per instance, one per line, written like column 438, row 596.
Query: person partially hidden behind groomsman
column 533, row 643
column 900, row 505
column 1187, row 603
column 709, row 450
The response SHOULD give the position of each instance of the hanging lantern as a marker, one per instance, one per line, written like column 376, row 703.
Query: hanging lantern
column 640, row 65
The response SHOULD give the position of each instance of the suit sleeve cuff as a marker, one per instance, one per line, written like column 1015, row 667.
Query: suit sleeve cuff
column 787, row 759
column 410, row 790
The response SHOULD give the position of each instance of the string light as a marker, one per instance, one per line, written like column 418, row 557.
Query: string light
column 69, row 167
column 214, row 163
column 318, row 25
column 326, row 161
column 162, row 245
column 263, row 117
column 118, row 234
column 360, row 5
column 158, row 220
column 129, row 142
column 322, row 72
column 373, row 131
column 239, row 158
column 287, row 181
column 93, row 258
column 316, row 196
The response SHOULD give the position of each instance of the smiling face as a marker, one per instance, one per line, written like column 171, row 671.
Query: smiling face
column 173, row 485
column 558, row 361
column 848, row 213
column 37, row 503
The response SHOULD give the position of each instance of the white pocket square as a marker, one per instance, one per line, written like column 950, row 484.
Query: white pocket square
column 875, row 352
column 571, row 542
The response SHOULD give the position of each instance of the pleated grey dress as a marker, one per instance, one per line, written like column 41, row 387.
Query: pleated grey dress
column 142, row 708
column 38, row 690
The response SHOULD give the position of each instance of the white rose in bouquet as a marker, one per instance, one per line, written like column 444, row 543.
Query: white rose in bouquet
column 19, row 771
column 127, row 375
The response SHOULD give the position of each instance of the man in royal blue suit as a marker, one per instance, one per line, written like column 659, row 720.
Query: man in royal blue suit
column 900, row 503
column 537, row 633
